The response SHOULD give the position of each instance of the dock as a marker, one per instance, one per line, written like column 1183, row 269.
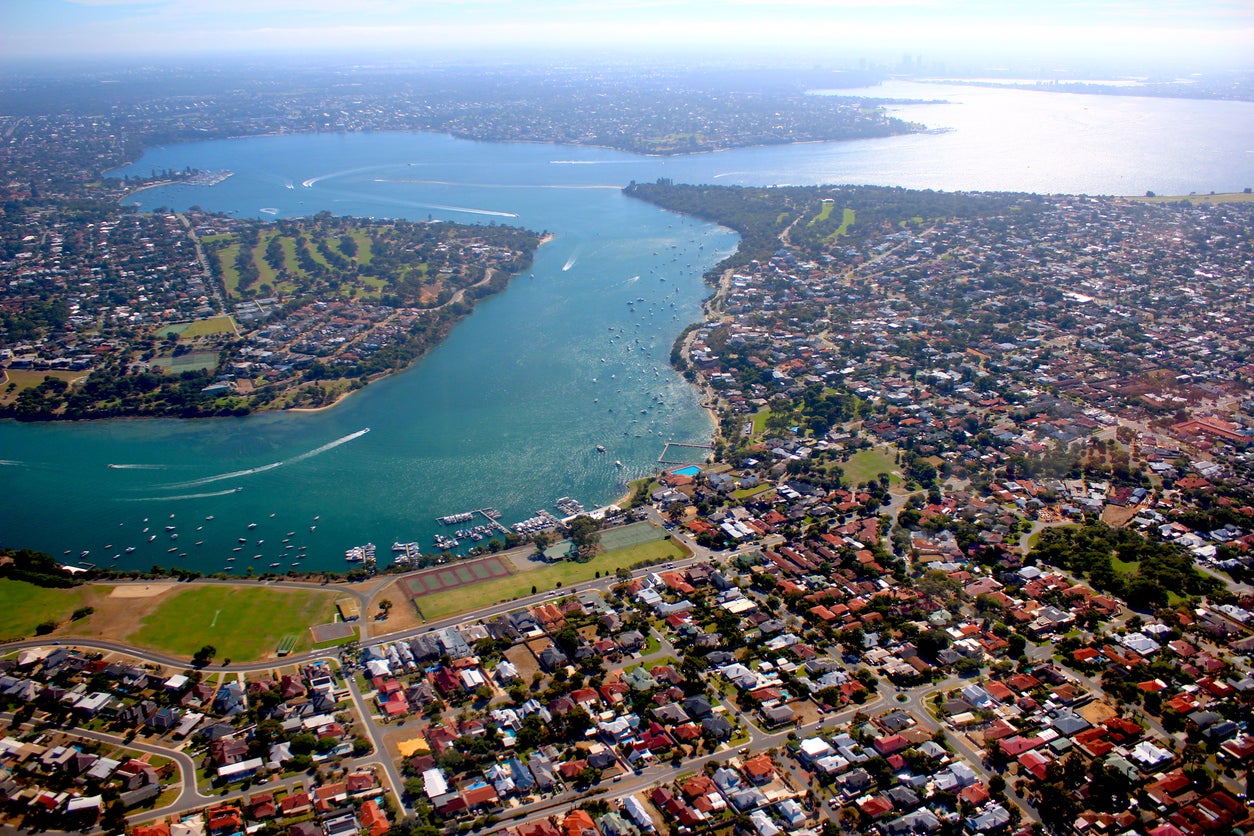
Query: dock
column 493, row 518
column 666, row 453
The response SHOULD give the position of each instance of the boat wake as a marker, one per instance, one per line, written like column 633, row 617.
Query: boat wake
column 138, row 466
column 329, row 446
column 312, row 181
column 468, row 210
column 235, row 474
column 227, row 492
column 238, row 474
column 570, row 262
column 10, row 463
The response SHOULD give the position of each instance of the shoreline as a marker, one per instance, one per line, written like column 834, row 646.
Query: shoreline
column 145, row 187
column 340, row 398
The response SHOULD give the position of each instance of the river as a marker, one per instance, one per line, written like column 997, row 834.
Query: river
column 509, row 410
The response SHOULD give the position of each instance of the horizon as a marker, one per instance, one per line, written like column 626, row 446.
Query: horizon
column 1046, row 37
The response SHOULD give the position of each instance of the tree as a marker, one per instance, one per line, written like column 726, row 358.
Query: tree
column 585, row 533
column 114, row 818
column 385, row 607
column 203, row 655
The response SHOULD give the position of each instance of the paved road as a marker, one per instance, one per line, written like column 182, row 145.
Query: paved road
column 189, row 796
column 631, row 783
column 916, row 704
column 376, row 739
column 699, row 554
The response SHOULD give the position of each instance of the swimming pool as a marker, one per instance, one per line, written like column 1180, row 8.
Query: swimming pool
column 690, row 470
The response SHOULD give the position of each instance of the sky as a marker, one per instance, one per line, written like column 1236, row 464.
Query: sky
column 1215, row 33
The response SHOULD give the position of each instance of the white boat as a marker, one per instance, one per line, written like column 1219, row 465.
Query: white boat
column 618, row 463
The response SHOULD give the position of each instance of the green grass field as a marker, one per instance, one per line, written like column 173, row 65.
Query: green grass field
column 24, row 606
column 846, row 221
column 364, row 250
column 194, row 360
column 28, row 378
column 824, row 213
column 1124, row 568
column 208, row 327
column 544, row 578
column 230, row 276
column 759, row 422
column 266, row 274
column 865, row 465
column 745, row 493
column 242, row 622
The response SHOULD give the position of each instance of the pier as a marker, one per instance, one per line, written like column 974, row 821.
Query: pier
column 666, row 452
column 493, row 518
column 490, row 515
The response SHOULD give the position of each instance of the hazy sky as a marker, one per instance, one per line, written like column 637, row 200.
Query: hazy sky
column 1221, row 31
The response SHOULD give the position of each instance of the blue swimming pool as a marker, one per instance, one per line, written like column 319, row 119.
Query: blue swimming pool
column 690, row 470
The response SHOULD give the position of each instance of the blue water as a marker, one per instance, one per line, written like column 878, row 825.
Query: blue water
column 509, row 410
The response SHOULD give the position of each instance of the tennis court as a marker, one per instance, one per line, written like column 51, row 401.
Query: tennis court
column 450, row 577
column 636, row 534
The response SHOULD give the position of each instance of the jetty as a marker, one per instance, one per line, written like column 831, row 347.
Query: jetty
column 491, row 516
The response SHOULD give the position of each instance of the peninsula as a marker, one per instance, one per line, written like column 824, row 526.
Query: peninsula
column 198, row 314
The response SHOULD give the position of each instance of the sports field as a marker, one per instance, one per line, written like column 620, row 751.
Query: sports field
column 23, row 606
column 866, row 465
column 636, row 534
column 450, row 577
column 192, row 361
column 242, row 622
column 547, row 577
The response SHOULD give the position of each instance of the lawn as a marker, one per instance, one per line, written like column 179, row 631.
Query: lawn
column 265, row 273
column 846, row 221
column 1124, row 568
column 192, row 361
column 759, row 422
column 824, row 213
column 243, row 622
column 745, row 493
column 365, row 252
column 865, row 465
column 23, row 606
column 230, row 275
column 208, row 327
column 568, row 572
column 28, row 378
